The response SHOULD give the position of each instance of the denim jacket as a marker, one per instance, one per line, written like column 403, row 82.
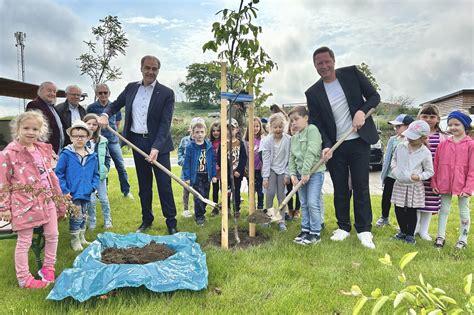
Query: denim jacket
column 391, row 146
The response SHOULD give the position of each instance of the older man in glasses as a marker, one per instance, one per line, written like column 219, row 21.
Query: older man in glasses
column 70, row 110
column 102, row 92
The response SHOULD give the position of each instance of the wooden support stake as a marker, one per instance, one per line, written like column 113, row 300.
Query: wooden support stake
column 224, row 203
column 251, row 162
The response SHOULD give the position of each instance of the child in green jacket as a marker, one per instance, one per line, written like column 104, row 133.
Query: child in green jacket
column 305, row 153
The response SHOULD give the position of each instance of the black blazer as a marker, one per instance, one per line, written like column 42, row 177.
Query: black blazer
column 360, row 95
column 54, row 137
column 160, row 114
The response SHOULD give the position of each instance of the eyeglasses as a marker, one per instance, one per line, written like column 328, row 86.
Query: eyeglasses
column 103, row 93
column 79, row 137
column 74, row 94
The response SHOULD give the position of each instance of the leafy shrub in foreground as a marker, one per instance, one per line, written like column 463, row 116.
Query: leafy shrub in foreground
column 421, row 298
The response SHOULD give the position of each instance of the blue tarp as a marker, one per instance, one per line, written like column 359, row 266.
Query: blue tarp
column 240, row 97
column 185, row 270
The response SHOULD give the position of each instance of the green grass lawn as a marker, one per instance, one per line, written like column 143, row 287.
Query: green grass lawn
column 277, row 277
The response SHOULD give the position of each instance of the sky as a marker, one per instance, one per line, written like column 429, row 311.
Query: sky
column 415, row 48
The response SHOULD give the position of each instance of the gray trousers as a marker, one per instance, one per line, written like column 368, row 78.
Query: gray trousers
column 276, row 186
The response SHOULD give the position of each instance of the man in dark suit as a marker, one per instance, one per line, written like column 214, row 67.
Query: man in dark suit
column 70, row 110
column 45, row 104
column 336, row 103
column 149, row 108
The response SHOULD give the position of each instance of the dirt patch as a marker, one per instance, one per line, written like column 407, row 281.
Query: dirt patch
column 245, row 239
column 137, row 255
column 259, row 217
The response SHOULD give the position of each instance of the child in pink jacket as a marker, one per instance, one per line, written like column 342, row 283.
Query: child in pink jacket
column 454, row 175
column 27, row 187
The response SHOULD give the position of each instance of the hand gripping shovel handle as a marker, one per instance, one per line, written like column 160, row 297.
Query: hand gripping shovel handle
column 321, row 161
column 164, row 169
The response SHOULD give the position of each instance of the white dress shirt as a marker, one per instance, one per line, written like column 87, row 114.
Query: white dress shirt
column 75, row 114
column 140, row 106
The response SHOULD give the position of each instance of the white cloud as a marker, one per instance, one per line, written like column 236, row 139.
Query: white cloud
column 53, row 42
column 422, row 49
column 146, row 21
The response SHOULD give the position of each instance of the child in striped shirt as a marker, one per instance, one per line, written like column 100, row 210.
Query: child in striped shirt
column 430, row 114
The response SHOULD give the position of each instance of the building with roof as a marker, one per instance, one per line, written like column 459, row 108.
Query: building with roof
column 462, row 99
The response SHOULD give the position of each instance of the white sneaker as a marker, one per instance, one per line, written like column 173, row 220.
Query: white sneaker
column 366, row 239
column 129, row 196
column 339, row 235
column 187, row 214
column 426, row 237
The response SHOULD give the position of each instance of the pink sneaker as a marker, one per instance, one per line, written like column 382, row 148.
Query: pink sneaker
column 47, row 274
column 32, row 283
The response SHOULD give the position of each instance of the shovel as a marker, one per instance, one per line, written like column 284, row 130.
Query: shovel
column 272, row 214
column 168, row 172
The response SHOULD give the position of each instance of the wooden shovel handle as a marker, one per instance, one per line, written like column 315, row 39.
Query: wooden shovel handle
column 164, row 169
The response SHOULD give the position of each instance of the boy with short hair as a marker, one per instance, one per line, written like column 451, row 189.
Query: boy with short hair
column 199, row 168
column 185, row 141
column 78, row 174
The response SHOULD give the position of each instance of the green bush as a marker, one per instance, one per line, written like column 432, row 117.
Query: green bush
column 178, row 131
column 420, row 298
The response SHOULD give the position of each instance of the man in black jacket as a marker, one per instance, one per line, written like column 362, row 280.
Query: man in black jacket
column 149, row 107
column 70, row 110
column 45, row 103
column 336, row 103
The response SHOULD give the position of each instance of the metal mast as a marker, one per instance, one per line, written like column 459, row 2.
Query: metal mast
column 20, row 50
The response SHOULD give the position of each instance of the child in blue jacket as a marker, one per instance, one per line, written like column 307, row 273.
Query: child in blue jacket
column 185, row 141
column 78, row 176
column 199, row 168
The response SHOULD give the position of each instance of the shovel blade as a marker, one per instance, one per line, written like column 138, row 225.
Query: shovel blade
column 265, row 216
column 274, row 215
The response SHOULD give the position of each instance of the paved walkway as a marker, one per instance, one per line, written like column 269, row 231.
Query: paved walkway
column 374, row 179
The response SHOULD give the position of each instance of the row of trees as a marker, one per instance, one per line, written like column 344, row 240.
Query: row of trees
column 200, row 85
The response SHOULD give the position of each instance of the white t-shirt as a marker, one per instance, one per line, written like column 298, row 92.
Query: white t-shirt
column 340, row 109
column 279, row 160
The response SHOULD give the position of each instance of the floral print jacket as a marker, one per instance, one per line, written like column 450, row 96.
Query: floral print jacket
column 21, row 191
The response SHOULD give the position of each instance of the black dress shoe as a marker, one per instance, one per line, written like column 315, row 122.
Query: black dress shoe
column 143, row 228
column 172, row 231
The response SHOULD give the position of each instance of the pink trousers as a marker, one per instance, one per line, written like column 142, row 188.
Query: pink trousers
column 23, row 245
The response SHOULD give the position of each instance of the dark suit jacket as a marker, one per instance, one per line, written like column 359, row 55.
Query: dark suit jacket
column 360, row 95
column 65, row 115
column 160, row 114
column 54, row 137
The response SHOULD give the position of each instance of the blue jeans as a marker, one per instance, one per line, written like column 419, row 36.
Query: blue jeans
column 104, row 203
column 77, row 223
column 310, row 198
column 116, row 154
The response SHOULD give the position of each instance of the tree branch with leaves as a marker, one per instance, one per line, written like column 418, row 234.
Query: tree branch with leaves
column 110, row 42
column 236, row 42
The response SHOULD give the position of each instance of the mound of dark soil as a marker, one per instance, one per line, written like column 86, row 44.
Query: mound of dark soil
column 137, row 255
column 259, row 217
column 245, row 239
